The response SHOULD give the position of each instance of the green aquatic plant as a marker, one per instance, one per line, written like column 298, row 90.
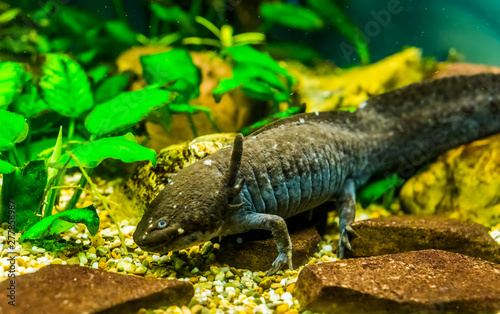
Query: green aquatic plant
column 64, row 221
column 225, row 36
column 277, row 116
column 65, row 90
column 315, row 16
column 173, row 70
column 382, row 188
column 258, row 75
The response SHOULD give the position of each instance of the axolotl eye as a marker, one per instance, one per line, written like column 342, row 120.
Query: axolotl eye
column 162, row 224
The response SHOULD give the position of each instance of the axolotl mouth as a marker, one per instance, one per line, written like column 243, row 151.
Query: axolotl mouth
column 164, row 240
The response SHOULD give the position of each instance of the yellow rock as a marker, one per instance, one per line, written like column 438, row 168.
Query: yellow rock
column 464, row 183
column 348, row 88
column 197, row 309
column 282, row 308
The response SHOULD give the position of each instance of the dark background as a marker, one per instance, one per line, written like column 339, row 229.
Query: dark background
column 472, row 27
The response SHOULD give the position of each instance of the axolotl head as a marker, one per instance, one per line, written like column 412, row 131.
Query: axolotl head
column 191, row 208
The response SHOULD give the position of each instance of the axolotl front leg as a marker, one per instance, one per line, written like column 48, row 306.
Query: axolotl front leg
column 241, row 221
column 277, row 225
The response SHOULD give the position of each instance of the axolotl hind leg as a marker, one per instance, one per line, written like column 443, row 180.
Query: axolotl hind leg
column 347, row 206
column 277, row 226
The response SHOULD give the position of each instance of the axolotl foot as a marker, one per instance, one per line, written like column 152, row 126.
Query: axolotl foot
column 347, row 204
column 277, row 226
column 280, row 261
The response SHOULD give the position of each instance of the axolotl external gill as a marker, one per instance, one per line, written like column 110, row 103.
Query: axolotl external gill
column 298, row 163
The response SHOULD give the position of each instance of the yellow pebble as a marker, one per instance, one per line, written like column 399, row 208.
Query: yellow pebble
column 292, row 312
column 92, row 250
column 282, row 308
column 289, row 289
column 197, row 309
column 185, row 310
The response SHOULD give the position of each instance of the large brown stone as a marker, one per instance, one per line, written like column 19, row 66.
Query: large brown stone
column 429, row 281
column 392, row 235
column 62, row 289
column 256, row 250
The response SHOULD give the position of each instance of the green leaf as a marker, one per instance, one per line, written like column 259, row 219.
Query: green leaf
column 336, row 17
column 125, row 110
column 57, row 18
column 175, row 67
column 291, row 16
column 173, row 14
column 14, row 129
column 187, row 108
column 23, row 191
column 12, row 79
column 99, row 73
column 247, row 54
column 124, row 148
column 9, row 15
column 64, row 221
column 121, row 32
column 110, row 88
column 6, row 167
column 293, row 51
column 56, row 153
column 263, row 91
column 248, row 72
column 65, row 86
column 377, row 189
column 280, row 115
column 29, row 103
column 224, row 86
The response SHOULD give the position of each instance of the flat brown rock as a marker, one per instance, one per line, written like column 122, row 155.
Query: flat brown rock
column 248, row 251
column 451, row 69
column 392, row 235
column 416, row 282
column 61, row 289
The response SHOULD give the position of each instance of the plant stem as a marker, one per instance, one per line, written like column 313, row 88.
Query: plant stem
column 76, row 196
column 52, row 194
column 65, row 187
column 120, row 12
column 208, row 25
column 71, row 129
column 27, row 152
column 191, row 124
column 212, row 121
column 154, row 25
column 103, row 200
column 16, row 156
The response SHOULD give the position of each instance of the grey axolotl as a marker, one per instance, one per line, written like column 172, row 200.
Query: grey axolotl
column 298, row 163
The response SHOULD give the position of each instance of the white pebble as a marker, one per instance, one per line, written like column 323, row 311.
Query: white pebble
column 207, row 162
column 327, row 248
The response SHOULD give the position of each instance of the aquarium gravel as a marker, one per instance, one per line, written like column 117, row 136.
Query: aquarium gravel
column 217, row 287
